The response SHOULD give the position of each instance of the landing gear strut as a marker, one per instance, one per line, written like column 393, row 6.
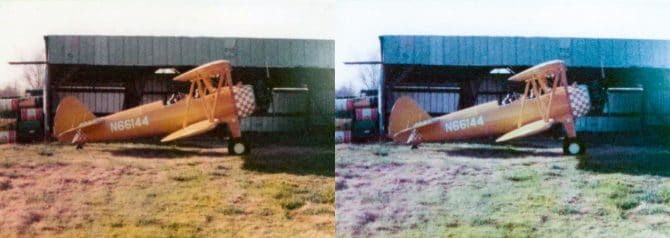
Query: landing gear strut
column 238, row 146
column 573, row 146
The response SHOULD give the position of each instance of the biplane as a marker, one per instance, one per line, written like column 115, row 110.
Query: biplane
column 212, row 100
column 547, row 100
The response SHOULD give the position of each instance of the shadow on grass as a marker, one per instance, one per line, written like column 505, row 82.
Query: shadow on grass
column 628, row 162
column 162, row 153
column 294, row 160
column 497, row 153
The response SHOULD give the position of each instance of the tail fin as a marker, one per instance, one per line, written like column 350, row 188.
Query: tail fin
column 405, row 113
column 70, row 114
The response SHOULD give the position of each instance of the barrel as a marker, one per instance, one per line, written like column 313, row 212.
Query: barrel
column 364, row 128
column 7, row 136
column 344, row 105
column 366, row 114
column 339, row 114
column 7, row 124
column 29, row 114
column 343, row 124
column 365, row 102
column 342, row 137
column 9, row 105
column 28, row 131
column 30, row 102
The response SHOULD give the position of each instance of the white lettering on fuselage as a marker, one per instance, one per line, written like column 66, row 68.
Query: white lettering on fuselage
column 457, row 125
column 128, row 124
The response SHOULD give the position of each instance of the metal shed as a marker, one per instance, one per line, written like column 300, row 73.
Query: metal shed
column 111, row 73
column 446, row 73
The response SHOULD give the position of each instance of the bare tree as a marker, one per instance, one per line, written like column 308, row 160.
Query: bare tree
column 33, row 74
column 345, row 91
column 370, row 74
column 9, row 91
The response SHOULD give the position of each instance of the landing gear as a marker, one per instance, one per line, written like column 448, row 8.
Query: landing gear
column 573, row 146
column 238, row 146
column 414, row 147
column 79, row 146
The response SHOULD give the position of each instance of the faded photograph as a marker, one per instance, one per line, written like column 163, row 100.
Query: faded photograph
column 167, row 119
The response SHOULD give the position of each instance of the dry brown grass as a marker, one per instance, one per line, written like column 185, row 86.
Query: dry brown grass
column 162, row 191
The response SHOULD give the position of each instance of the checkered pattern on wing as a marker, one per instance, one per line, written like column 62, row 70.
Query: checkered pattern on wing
column 244, row 100
column 579, row 101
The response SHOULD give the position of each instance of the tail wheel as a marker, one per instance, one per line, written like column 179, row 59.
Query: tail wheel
column 572, row 146
column 238, row 146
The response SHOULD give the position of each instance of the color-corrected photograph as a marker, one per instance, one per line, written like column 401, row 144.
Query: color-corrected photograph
column 502, row 119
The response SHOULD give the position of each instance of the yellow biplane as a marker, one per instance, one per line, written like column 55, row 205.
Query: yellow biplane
column 540, row 107
column 212, row 100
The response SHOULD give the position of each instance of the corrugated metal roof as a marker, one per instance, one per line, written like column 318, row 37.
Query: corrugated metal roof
column 188, row 51
column 524, row 51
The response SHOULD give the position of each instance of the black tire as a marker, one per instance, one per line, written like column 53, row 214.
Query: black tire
column 573, row 146
column 238, row 146
column 414, row 147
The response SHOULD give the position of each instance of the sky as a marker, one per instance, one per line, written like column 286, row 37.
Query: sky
column 359, row 23
column 25, row 22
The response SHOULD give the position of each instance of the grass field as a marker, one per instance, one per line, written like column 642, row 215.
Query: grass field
column 194, row 189
column 478, row 189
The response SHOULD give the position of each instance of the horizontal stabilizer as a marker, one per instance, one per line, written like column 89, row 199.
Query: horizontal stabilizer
column 191, row 130
column 527, row 130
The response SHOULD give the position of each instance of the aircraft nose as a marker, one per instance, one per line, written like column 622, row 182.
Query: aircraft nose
column 580, row 102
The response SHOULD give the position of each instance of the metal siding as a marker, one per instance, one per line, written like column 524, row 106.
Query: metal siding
column 130, row 51
column 55, row 47
column 202, row 50
column 605, row 49
column 272, row 53
column 87, row 50
column 508, row 51
column 297, row 53
column 494, row 51
column 647, row 56
column 406, row 50
column 145, row 51
column 523, row 54
column 592, row 53
column 450, row 47
column 618, row 53
column 159, row 48
column 311, row 53
column 71, row 50
column 390, row 46
column 101, row 51
column 550, row 50
column 578, row 55
column 188, row 53
column 479, row 51
column 632, row 57
column 115, row 50
column 422, row 50
column 536, row 50
column 284, row 53
column 465, row 50
column 173, row 51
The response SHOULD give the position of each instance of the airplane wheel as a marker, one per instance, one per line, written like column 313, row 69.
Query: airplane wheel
column 79, row 147
column 238, row 146
column 572, row 146
column 414, row 147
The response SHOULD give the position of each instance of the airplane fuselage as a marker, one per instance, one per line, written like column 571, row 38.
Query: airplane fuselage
column 488, row 119
column 155, row 118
